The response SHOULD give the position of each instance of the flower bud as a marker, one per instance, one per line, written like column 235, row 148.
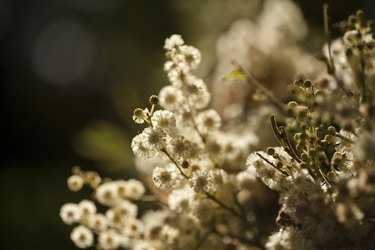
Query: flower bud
column 75, row 183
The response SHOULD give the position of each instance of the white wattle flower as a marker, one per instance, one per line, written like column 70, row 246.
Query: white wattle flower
column 82, row 237
column 98, row 222
column 133, row 228
column 182, row 149
column 164, row 120
column 170, row 98
column 120, row 214
column 87, row 208
column 173, row 42
column 135, row 189
column 143, row 245
column 106, row 194
column 75, row 183
column 169, row 236
column 126, row 208
column 165, row 176
column 121, row 187
column 201, row 181
column 180, row 200
column 191, row 56
column 70, row 213
column 140, row 115
column 202, row 100
column 219, row 177
column 169, row 65
column 141, row 148
column 109, row 240
column 289, row 238
column 264, row 171
column 154, row 138
column 208, row 121
column 196, row 91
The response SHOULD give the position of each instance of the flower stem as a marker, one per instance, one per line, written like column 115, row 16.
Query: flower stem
column 221, row 204
column 175, row 163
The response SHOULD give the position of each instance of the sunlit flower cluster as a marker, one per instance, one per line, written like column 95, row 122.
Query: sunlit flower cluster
column 213, row 183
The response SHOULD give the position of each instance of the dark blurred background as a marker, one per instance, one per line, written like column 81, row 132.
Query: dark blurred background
column 71, row 73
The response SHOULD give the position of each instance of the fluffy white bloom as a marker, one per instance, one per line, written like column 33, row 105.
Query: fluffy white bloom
column 169, row 235
column 87, row 207
column 196, row 92
column 127, row 208
column 173, row 42
column 153, row 221
column 208, row 121
column 179, row 200
column 98, row 222
column 109, row 240
column 143, row 245
column 289, row 238
column 182, row 149
column 106, row 194
column 170, row 65
column 119, row 214
column 133, row 228
column 185, row 118
column 191, row 56
column 70, row 213
column 193, row 152
column 121, row 187
column 141, row 148
column 264, row 171
column 201, row 181
column 135, row 189
column 165, row 176
column 180, row 75
column 82, row 237
column 154, row 138
column 202, row 100
column 165, row 120
column 75, row 183
column 219, row 177
column 140, row 115
column 170, row 98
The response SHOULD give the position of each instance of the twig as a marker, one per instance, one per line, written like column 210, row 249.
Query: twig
column 252, row 80
column 273, row 165
column 221, row 204
column 175, row 163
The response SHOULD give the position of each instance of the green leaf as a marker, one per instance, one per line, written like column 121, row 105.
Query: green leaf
column 236, row 74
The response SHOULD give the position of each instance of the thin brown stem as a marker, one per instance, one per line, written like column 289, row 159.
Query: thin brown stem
column 252, row 80
column 273, row 165
column 224, row 206
column 175, row 163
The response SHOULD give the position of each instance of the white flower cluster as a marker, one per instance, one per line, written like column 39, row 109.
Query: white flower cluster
column 118, row 226
column 324, row 168
column 199, row 174
column 206, row 175
column 195, row 157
